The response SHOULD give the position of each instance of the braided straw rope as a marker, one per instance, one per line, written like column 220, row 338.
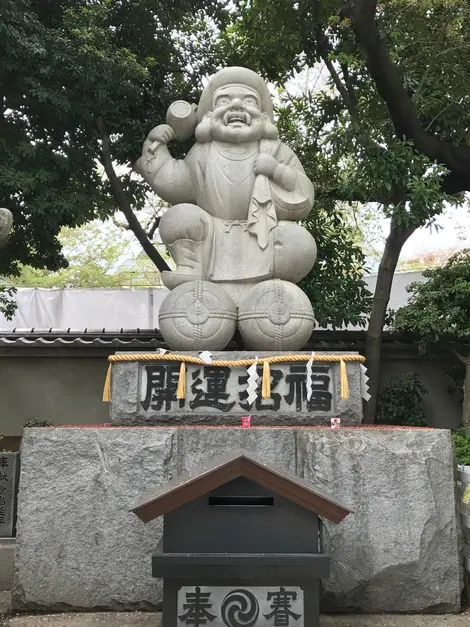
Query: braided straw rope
column 265, row 361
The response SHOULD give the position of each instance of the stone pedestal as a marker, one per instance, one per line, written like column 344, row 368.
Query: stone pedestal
column 79, row 546
column 144, row 393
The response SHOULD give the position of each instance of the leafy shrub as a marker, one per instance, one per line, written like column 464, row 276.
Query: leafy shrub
column 462, row 447
column 400, row 402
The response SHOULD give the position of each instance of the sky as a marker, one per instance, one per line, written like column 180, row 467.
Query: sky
column 453, row 234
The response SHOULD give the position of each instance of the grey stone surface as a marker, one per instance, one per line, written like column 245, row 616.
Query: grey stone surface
column 401, row 549
column 129, row 391
column 125, row 389
column 77, row 544
column 275, row 315
column 101, row 619
column 237, row 198
column 9, row 476
column 274, row 446
column 7, row 560
column 147, row 619
column 198, row 315
column 78, row 547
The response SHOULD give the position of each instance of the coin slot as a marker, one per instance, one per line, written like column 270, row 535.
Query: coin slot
column 241, row 501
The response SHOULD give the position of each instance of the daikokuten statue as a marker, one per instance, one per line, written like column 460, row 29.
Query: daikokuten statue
column 6, row 221
column 232, row 229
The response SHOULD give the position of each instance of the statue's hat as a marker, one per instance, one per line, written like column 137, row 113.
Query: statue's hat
column 232, row 76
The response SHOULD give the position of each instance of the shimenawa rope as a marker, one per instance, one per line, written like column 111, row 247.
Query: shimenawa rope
column 266, row 361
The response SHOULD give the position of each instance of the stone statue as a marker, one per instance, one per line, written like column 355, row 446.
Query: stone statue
column 236, row 201
column 6, row 221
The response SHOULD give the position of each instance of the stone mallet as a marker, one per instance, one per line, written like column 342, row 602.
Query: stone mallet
column 182, row 118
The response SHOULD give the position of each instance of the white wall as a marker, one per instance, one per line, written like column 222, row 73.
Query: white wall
column 79, row 309
column 122, row 308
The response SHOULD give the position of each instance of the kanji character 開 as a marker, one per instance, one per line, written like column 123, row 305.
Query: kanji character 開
column 162, row 382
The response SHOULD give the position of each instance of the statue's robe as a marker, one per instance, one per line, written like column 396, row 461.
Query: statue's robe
column 245, row 208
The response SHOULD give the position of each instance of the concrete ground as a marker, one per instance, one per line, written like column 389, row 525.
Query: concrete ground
column 147, row 619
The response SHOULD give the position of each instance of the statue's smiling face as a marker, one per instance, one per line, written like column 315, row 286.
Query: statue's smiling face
column 236, row 115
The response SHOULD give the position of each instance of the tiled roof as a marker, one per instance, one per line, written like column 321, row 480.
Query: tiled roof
column 98, row 338
column 141, row 339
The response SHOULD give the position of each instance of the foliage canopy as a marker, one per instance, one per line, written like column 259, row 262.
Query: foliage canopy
column 439, row 308
column 439, row 313
column 65, row 65
column 389, row 125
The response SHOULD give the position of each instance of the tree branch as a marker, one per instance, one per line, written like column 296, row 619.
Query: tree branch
column 438, row 114
column 347, row 82
column 402, row 110
column 324, row 49
column 465, row 360
column 430, row 65
column 154, row 227
column 122, row 201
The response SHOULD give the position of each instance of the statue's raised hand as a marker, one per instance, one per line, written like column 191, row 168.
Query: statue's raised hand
column 163, row 133
column 265, row 164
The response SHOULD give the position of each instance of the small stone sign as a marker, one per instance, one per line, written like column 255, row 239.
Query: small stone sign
column 9, row 475
column 145, row 392
column 237, row 606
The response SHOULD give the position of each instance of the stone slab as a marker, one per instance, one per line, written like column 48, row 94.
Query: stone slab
column 401, row 549
column 77, row 544
column 5, row 604
column 7, row 560
column 273, row 446
column 79, row 547
column 144, row 393
column 9, row 476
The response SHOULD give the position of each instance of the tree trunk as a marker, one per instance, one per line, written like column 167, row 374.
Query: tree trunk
column 403, row 112
column 466, row 398
column 123, row 202
column 393, row 246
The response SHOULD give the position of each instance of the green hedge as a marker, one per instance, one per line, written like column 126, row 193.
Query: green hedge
column 400, row 402
column 462, row 447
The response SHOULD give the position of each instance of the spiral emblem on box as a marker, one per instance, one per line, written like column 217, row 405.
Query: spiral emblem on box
column 240, row 609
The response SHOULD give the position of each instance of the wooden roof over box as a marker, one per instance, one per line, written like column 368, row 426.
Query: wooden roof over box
column 224, row 469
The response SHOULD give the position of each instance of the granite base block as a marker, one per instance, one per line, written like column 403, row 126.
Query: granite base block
column 79, row 547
